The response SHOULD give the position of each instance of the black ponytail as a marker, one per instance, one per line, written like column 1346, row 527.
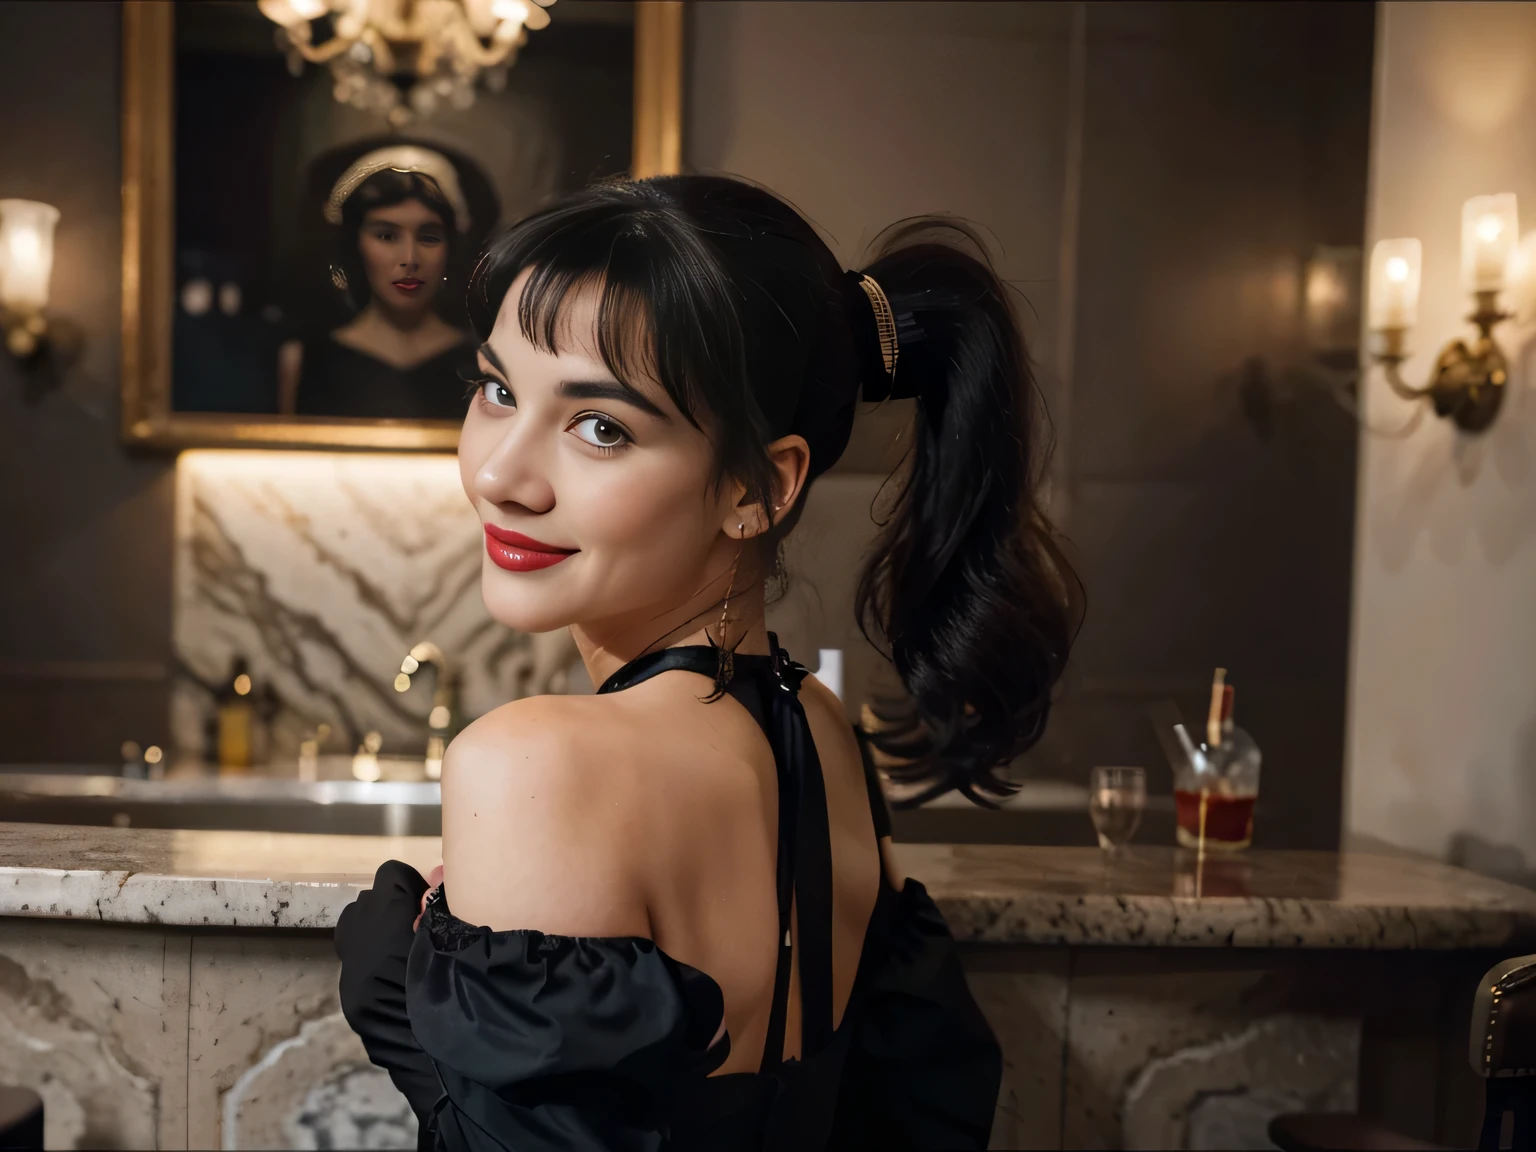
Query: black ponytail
column 966, row 590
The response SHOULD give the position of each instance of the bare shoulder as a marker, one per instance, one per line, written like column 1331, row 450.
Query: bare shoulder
column 533, row 819
column 834, row 733
column 529, row 736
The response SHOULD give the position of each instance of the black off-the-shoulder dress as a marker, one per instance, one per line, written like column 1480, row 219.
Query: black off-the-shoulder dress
column 527, row 1041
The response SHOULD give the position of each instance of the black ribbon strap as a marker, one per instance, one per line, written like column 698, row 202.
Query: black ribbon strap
column 804, row 868
column 813, row 859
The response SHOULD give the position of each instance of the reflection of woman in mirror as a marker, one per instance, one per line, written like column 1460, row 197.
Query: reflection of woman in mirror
column 400, row 213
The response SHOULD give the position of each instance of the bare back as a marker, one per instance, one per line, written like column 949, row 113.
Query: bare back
column 712, row 901
column 662, row 823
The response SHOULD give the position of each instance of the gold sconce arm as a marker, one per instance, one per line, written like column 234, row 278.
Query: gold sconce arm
column 1467, row 385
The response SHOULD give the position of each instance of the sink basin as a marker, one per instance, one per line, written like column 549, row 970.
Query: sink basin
column 78, row 796
column 1042, row 813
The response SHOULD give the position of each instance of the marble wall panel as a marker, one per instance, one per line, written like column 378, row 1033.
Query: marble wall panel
column 1023, row 992
column 323, row 569
column 93, row 1018
column 1197, row 1050
column 249, row 996
column 1223, row 1094
column 317, row 1090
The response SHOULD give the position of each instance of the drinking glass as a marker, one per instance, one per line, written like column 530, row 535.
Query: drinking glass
column 1116, row 798
column 1214, row 790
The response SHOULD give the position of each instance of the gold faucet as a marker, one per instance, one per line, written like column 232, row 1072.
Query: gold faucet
column 445, row 719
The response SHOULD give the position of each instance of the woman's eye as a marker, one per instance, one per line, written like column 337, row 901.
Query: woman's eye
column 600, row 432
column 495, row 392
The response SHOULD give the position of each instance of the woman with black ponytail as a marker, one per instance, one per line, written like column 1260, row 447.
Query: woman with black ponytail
column 674, row 920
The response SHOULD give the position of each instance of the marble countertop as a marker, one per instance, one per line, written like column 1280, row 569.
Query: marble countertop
column 989, row 893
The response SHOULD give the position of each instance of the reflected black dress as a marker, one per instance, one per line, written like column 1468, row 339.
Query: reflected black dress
column 336, row 379
column 522, row 1040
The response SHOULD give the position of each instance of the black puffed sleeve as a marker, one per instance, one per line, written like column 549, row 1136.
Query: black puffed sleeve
column 373, row 940
column 547, row 1043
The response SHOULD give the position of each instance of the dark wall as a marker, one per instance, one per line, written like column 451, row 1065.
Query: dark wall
column 85, row 584
column 1218, row 144
column 1212, row 510
column 1203, row 150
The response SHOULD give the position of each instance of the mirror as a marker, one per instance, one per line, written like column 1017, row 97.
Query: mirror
column 298, row 235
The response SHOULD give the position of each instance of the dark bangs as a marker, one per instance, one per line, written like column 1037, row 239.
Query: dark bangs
column 390, row 187
column 666, row 311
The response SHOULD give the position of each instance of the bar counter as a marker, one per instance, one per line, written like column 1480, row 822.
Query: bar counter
column 178, row 988
column 998, row 894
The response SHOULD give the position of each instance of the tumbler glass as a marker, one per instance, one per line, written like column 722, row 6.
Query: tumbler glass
column 1116, row 799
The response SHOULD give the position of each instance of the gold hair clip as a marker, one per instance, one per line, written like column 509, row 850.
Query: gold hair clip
column 885, row 322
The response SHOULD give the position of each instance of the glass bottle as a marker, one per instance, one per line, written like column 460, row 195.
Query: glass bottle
column 1216, row 787
column 236, row 719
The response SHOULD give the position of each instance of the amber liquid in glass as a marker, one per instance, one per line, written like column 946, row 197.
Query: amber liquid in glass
column 1228, row 820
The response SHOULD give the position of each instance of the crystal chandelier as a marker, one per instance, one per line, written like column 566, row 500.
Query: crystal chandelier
column 403, row 59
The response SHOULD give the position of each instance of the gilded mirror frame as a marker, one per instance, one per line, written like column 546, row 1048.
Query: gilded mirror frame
column 148, row 239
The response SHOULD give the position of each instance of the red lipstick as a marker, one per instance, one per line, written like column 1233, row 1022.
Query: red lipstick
column 409, row 284
column 518, row 553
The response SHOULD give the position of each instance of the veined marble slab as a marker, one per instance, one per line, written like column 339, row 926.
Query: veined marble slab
column 989, row 893
column 323, row 570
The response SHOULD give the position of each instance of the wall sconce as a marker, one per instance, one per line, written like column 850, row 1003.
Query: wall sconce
column 1468, row 382
column 26, row 265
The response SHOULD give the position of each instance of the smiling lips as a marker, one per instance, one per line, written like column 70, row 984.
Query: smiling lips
column 518, row 553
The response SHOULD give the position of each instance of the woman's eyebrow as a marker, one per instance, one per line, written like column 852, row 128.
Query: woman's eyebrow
column 490, row 354
column 610, row 390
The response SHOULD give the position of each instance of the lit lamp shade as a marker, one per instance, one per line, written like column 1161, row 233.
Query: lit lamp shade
column 26, row 254
column 1490, row 229
column 1395, row 269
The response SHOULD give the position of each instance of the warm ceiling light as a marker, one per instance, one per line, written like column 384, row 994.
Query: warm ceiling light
column 402, row 59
